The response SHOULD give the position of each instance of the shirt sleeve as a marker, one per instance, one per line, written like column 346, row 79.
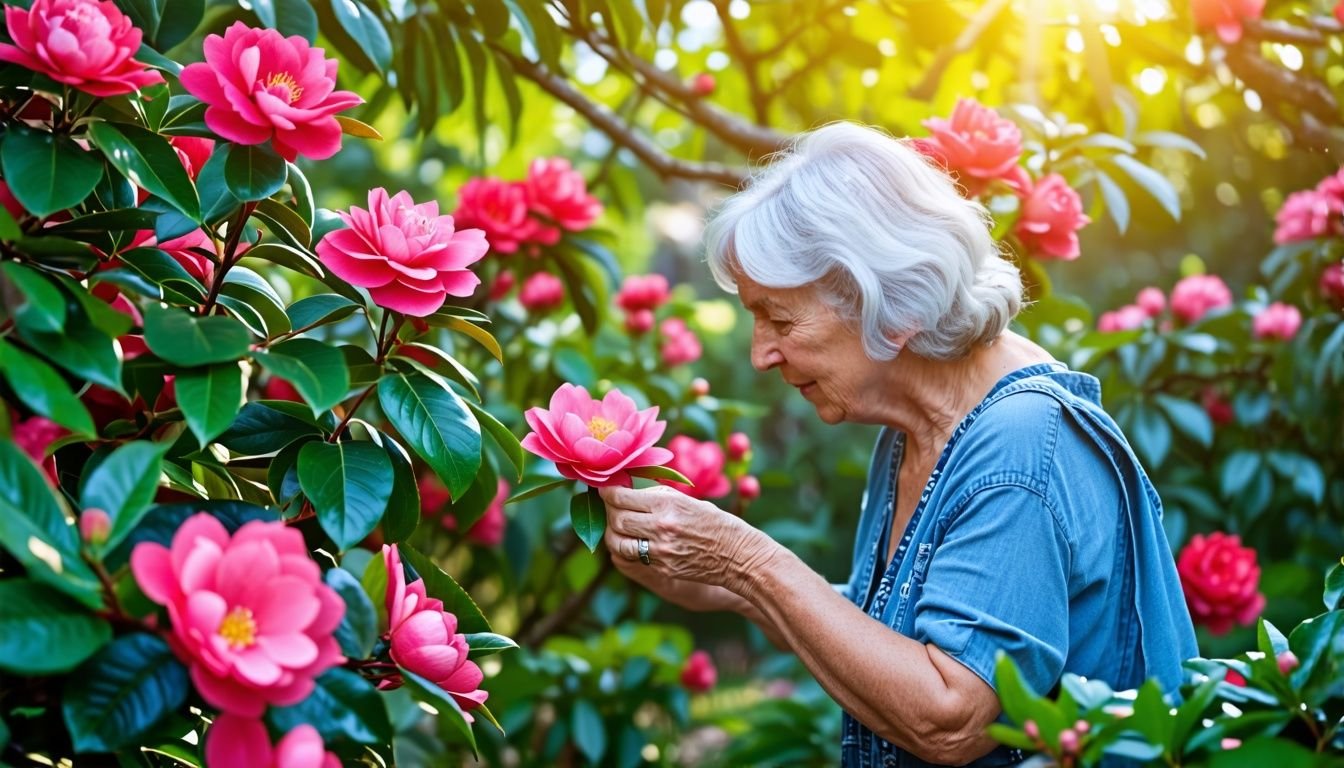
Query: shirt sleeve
column 999, row 581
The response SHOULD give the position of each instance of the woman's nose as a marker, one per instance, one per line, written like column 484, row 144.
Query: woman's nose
column 764, row 352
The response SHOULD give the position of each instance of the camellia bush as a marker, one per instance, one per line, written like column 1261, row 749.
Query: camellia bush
column 321, row 321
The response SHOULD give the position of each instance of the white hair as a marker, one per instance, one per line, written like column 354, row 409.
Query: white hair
column 883, row 232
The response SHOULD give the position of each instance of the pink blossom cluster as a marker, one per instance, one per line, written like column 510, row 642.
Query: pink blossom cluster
column 1196, row 295
column 1225, row 17
column 640, row 296
column 699, row 674
column 1331, row 285
column 86, row 44
column 1311, row 213
column 424, row 638
column 1277, row 321
column 680, row 344
column 541, row 292
column 982, row 150
column 702, row 463
column 1149, row 303
column 532, row 212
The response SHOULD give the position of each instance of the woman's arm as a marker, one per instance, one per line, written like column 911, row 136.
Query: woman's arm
column 910, row 694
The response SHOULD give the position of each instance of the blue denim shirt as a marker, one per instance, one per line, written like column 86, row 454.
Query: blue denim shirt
column 1038, row 534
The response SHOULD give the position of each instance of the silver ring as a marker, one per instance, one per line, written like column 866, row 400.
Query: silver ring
column 644, row 552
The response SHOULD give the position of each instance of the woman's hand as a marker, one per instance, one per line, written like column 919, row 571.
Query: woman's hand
column 690, row 542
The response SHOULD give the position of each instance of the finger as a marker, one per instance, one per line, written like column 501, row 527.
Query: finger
column 637, row 525
column 639, row 500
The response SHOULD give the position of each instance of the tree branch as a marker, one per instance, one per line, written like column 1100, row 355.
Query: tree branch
column 609, row 123
column 1273, row 31
column 933, row 76
column 760, row 100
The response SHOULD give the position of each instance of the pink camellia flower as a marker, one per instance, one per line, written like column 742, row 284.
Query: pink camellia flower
column 557, row 193
column 596, row 441
column 1339, row 11
column 34, row 436
column 425, row 640
column 1196, row 295
column 680, row 344
column 1221, row 580
column 739, row 445
column 1126, row 318
column 699, row 674
column 702, row 464
column 699, row 386
column 488, row 531
column 542, row 292
column 250, row 615
column 642, row 292
column 1332, row 285
column 1151, row 300
column 277, row 388
column 187, row 250
column 498, row 208
column 243, row 741
column 409, row 256
column 1277, row 321
column 975, row 143
column 193, row 152
column 639, row 322
column 82, row 43
column 1225, row 16
column 1287, row 661
column 261, row 86
column 1311, row 213
column 94, row 525
column 1052, row 214
column 1218, row 408
column 434, row 495
column 703, row 84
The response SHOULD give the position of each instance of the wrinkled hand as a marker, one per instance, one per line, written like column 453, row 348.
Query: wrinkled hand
column 691, row 543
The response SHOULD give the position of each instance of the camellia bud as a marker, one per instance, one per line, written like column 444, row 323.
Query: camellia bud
column 1068, row 741
column 1032, row 730
column 1082, row 726
column 94, row 525
column 703, row 84
column 1332, row 285
column 748, row 487
column 639, row 322
column 738, row 445
column 699, row 386
column 1287, row 662
column 1230, row 743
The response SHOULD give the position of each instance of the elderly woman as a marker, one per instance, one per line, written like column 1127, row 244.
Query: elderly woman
column 1005, row 512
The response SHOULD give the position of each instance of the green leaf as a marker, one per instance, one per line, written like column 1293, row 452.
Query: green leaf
column 35, row 530
column 254, row 172
column 443, row 587
column 1013, row 695
column 661, row 473
column 374, row 581
column 319, row 310
column 179, row 20
column 189, row 341
column 531, row 487
column 474, row 503
column 1169, row 140
column 588, row 514
column 449, row 711
column 1117, row 204
column 42, row 389
column 1269, row 640
column 164, row 271
column 505, row 439
column 363, row 25
column 1152, row 182
column 342, row 706
column 316, row 370
column 488, row 643
column 123, row 486
column 359, row 627
column 1313, row 642
column 149, row 161
column 348, row 484
column 120, row 694
column 43, row 632
column 482, row 336
column 266, row 427
column 43, row 307
column 210, row 397
column 403, row 506
column 284, row 223
column 1334, row 586
column 83, row 348
column 1269, row 751
column 589, row 733
column 437, row 425
column 1238, row 469
column 47, row 173
column 1191, row 419
column 290, row 17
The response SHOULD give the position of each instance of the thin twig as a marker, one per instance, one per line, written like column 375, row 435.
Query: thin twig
column 230, row 256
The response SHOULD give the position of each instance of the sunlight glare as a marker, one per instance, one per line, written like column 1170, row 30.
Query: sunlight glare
column 1152, row 80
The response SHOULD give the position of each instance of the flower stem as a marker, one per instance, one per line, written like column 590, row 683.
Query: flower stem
column 229, row 257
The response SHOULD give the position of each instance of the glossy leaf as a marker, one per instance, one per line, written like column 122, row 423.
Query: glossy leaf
column 210, row 397
column 504, row 438
column 661, row 473
column 42, row 389
column 449, row 711
column 348, row 484
column 47, row 173
column 123, row 486
column 359, row 626
column 253, row 172
column 150, row 162
column 342, row 707
column 588, row 515
column 43, row 305
column 403, row 505
column 488, row 643
column 43, row 632
column 317, row 370
column 362, row 24
column 123, row 692
column 266, row 427
column 436, row 424
column 319, row 310
column 189, row 341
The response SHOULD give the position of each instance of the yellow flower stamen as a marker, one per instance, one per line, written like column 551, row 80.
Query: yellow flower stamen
column 286, row 81
column 239, row 629
column 601, row 428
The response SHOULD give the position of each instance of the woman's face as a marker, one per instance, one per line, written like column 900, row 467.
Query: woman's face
column 822, row 355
